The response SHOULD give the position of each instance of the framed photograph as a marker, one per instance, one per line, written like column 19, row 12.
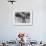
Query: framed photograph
column 22, row 17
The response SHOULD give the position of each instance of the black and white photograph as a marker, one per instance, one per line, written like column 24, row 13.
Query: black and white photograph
column 23, row 17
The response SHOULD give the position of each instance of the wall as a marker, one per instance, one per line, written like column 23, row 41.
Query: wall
column 9, row 31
